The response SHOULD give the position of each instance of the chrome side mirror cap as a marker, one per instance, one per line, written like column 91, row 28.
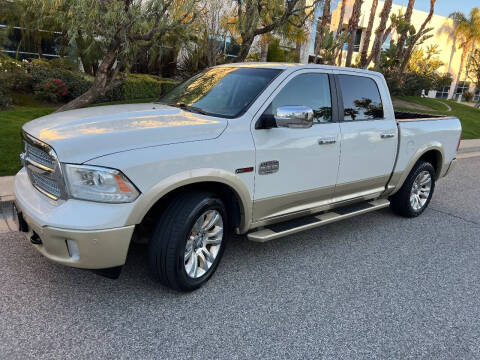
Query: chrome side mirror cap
column 294, row 117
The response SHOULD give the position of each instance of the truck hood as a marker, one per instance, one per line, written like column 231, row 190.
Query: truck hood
column 81, row 135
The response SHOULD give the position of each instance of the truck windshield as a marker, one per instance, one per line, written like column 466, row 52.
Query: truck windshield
column 220, row 91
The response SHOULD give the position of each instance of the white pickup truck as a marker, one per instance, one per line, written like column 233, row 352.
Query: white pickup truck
column 261, row 149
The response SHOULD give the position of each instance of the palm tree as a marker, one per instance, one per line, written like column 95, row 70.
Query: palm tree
column 339, row 32
column 368, row 35
column 467, row 30
column 379, row 39
column 352, row 29
column 403, row 37
column 420, row 36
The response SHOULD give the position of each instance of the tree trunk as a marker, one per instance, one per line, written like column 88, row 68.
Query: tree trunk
column 462, row 64
column 403, row 37
column 339, row 31
column 104, row 81
column 244, row 49
column 264, row 48
column 352, row 29
column 377, row 45
column 368, row 35
column 409, row 51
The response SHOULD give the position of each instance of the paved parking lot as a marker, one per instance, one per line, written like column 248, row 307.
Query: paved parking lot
column 374, row 286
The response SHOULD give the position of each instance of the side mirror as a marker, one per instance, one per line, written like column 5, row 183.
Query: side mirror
column 295, row 117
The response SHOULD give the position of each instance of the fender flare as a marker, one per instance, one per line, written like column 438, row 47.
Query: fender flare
column 148, row 199
column 399, row 178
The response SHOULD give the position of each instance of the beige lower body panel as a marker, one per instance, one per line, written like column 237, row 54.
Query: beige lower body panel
column 97, row 249
column 286, row 207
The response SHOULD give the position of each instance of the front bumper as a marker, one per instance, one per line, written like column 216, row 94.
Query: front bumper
column 92, row 246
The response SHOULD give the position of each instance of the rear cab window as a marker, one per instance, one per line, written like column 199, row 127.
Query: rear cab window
column 361, row 98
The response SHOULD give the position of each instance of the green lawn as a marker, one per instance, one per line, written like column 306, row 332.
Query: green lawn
column 11, row 121
column 11, row 145
column 27, row 109
column 469, row 116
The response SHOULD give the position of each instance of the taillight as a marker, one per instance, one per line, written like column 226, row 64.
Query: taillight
column 459, row 140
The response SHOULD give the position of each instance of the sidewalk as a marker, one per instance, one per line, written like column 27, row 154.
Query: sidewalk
column 468, row 148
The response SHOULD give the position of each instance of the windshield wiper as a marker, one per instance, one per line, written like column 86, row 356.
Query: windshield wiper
column 189, row 108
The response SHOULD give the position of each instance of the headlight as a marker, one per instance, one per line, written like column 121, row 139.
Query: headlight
column 99, row 184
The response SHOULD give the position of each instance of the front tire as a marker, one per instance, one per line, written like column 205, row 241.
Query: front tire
column 188, row 241
column 414, row 196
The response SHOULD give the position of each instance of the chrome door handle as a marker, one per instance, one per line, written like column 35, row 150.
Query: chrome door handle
column 387, row 135
column 326, row 141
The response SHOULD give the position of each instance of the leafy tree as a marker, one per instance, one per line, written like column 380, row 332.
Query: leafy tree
column 352, row 29
column 327, row 49
column 124, row 28
column 402, row 38
column 368, row 35
column 474, row 73
column 258, row 17
column 380, row 33
column 419, row 35
column 467, row 30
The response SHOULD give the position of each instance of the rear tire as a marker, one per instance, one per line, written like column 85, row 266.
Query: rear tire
column 414, row 196
column 184, row 229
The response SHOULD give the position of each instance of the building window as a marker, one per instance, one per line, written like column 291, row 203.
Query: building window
column 443, row 93
column 462, row 86
column 477, row 95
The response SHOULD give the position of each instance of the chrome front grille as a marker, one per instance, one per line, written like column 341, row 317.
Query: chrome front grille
column 43, row 168
column 46, row 183
column 38, row 155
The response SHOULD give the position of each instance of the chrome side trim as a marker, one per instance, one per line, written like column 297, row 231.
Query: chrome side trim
column 264, row 235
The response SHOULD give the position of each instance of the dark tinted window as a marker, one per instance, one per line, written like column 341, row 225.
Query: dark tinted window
column 223, row 91
column 312, row 90
column 361, row 99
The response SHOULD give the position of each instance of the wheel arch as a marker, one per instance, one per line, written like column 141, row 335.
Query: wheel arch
column 433, row 153
column 230, row 188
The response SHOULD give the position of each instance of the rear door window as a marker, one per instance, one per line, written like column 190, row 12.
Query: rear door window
column 361, row 98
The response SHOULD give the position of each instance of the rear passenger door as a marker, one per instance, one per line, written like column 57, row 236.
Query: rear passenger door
column 368, row 136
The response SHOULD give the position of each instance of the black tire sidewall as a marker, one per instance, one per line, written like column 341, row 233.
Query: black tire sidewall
column 424, row 166
column 210, row 203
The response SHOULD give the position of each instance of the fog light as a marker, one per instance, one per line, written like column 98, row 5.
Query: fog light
column 73, row 249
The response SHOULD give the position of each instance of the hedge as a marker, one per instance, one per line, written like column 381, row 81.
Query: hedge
column 27, row 77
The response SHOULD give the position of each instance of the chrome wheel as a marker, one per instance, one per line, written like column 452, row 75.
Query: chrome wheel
column 420, row 190
column 203, row 243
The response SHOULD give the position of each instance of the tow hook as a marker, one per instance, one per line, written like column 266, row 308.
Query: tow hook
column 35, row 239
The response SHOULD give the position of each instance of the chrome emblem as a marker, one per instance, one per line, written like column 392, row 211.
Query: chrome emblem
column 268, row 167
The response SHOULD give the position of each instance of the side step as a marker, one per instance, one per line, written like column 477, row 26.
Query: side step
column 276, row 231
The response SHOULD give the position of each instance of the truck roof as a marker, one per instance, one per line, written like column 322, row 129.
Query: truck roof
column 283, row 66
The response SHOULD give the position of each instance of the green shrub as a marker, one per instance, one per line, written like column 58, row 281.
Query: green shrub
column 468, row 96
column 14, row 75
column 5, row 99
column 139, row 86
column 63, row 63
column 41, row 72
column 53, row 90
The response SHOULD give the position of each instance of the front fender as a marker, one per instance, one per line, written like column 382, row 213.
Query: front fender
column 155, row 193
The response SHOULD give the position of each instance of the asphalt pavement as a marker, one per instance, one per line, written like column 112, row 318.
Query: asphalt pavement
column 375, row 286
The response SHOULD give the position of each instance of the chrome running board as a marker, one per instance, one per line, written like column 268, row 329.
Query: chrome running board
column 276, row 231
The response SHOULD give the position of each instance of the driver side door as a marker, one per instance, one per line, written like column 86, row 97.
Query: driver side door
column 307, row 159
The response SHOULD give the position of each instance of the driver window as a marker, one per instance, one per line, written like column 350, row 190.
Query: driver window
column 312, row 90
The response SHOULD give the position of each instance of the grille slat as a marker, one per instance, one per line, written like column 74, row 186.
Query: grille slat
column 38, row 156
column 45, row 183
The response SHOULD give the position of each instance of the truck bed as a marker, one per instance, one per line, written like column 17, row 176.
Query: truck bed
column 411, row 116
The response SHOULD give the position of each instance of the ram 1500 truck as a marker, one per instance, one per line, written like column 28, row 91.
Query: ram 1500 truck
column 260, row 149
